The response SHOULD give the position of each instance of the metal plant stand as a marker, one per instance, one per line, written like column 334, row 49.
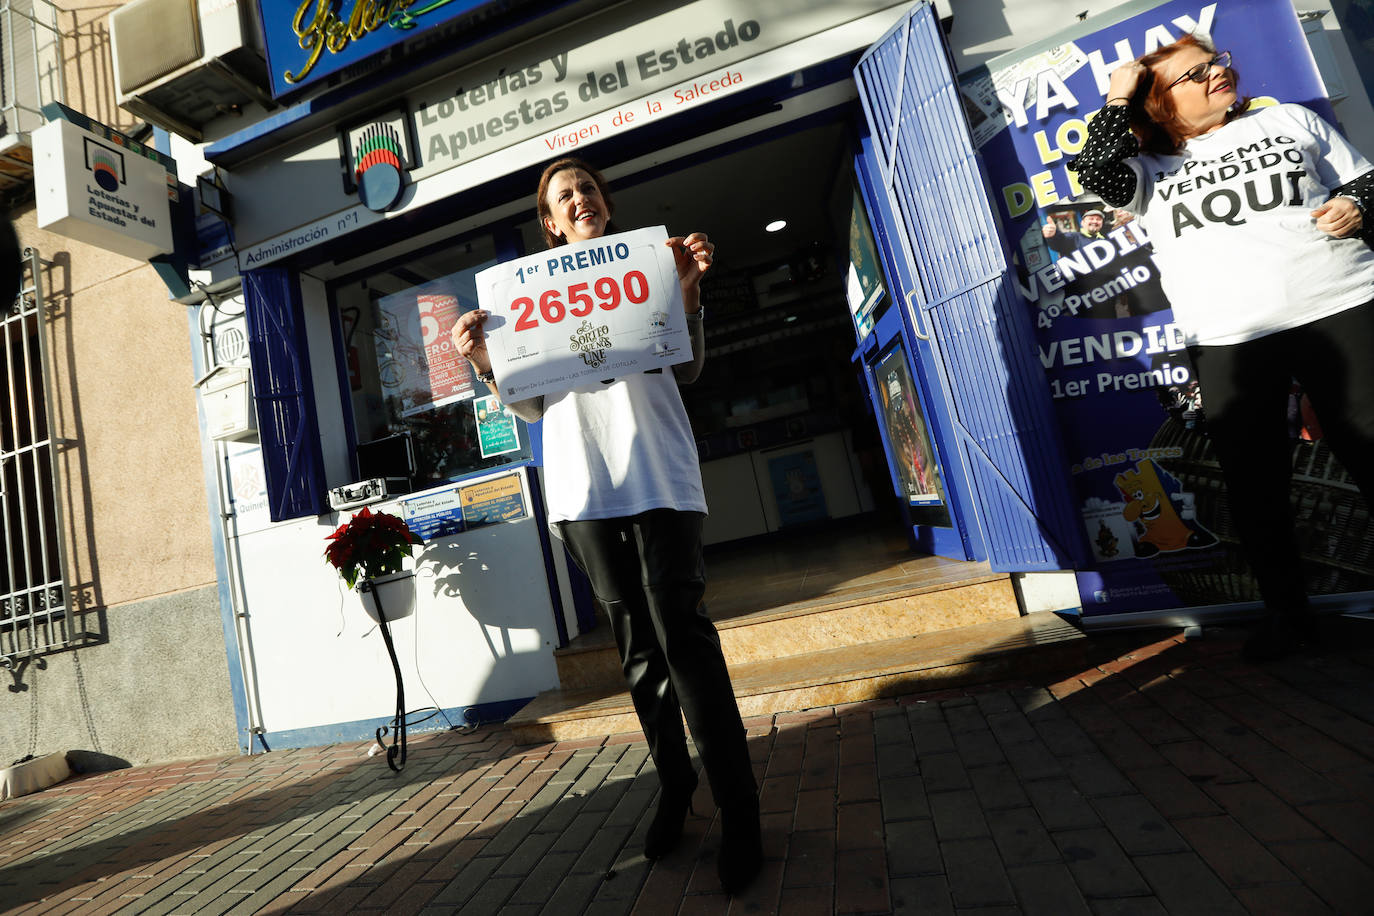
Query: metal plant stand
column 396, row 750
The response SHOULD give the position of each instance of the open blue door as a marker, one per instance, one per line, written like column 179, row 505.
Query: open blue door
column 971, row 339
column 907, row 396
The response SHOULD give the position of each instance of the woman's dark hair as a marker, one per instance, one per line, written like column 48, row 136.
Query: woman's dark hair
column 1154, row 117
column 542, row 205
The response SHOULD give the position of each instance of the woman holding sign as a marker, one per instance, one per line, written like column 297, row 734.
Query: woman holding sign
column 625, row 496
column 1255, row 215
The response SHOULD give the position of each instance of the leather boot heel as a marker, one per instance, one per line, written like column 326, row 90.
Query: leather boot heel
column 666, row 827
column 741, row 847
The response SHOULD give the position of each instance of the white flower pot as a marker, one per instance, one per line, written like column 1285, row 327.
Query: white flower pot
column 395, row 594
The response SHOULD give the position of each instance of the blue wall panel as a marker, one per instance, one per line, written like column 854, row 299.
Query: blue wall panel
column 284, row 395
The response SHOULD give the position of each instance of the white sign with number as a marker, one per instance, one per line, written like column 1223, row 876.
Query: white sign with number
column 572, row 316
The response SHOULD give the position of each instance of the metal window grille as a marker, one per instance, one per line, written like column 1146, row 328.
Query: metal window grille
column 34, row 613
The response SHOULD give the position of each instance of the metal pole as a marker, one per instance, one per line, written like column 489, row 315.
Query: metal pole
column 397, row 748
column 40, row 308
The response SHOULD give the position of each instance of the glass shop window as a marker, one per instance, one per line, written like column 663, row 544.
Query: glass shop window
column 407, row 380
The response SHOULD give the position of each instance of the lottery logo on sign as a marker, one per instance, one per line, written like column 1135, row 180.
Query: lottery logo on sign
column 592, row 343
column 106, row 165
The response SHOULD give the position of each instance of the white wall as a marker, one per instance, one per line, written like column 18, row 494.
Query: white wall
column 483, row 628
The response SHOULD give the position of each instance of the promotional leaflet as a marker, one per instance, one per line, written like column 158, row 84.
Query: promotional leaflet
column 497, row 432
column 579, row 314
column 864, row 282
column 1148, row 486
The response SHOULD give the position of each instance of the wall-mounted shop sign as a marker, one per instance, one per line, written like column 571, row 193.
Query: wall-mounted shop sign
column 308, row 40
column 593, row 80
column 98, row 186
column 550, row 89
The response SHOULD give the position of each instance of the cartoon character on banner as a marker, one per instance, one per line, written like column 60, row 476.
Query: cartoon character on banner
column 1149, row 507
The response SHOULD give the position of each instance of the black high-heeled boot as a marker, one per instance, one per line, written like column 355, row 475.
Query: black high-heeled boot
column 741, row 846
column 666, row 827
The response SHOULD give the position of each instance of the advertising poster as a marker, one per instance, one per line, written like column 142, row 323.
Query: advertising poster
column 1148, row 487
column 581, row 313
column 501, row 499
column 907, row 434
column 864, row 281
column 419, row 366
column 797, row 488
column 434, row 515
column 497, row 433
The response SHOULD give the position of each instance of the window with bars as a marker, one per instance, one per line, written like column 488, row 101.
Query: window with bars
column 33, row 593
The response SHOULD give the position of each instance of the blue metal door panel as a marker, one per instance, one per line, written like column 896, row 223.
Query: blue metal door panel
column 979, row 330
column 964, row 539
column 284, row 394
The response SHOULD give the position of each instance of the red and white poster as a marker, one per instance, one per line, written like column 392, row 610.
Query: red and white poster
column 419, row 366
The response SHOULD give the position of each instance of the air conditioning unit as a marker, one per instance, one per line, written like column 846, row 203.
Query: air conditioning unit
column 182, row 63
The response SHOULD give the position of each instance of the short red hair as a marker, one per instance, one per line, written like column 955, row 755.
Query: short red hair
column 1154, row 118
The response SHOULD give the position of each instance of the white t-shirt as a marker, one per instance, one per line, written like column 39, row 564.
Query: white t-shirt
column 620, row 449
column 1239, row 255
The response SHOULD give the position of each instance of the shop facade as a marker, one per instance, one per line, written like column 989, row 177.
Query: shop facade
column 871, row 363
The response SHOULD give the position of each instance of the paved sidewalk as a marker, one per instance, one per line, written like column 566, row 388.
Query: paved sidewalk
column 1172, row 779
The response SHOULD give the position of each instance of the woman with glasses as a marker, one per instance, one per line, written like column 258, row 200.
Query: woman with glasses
column 1256, row 217
column 624, row 493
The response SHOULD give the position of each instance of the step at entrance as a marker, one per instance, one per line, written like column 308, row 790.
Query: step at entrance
column 977, row 653
column 923, row 595
column 803, row 630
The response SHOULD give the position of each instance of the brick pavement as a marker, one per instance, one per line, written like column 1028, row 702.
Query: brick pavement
column 1171, row 779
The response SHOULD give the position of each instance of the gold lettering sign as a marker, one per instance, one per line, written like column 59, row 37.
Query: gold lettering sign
column 323, row 28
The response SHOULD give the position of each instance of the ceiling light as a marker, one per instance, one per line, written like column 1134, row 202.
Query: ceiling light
column 775, row 225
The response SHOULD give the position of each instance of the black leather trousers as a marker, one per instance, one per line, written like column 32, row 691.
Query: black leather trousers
column 648, row 573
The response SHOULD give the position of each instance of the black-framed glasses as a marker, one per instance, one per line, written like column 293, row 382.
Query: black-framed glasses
column 1200, row 73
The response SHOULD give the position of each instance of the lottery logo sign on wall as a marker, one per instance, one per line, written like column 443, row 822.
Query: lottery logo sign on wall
column 580, row 313
column 377, row 157
column 1132, row 415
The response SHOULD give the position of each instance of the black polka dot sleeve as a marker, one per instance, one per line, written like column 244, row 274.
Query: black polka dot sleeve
column 1101, row 166
column 1362, row 189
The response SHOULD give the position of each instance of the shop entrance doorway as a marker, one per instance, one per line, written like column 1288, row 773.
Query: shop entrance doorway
column 801, row 454
column 784, row 432
column 787, row 434
column 806, row 508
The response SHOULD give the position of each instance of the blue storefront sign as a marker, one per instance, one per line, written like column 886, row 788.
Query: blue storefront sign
column 308, row 40
column 1147, row 487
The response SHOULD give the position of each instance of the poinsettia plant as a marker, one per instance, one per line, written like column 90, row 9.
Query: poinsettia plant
column 369, row 545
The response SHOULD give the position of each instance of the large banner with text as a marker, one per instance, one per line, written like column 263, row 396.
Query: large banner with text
column 1148, row 486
